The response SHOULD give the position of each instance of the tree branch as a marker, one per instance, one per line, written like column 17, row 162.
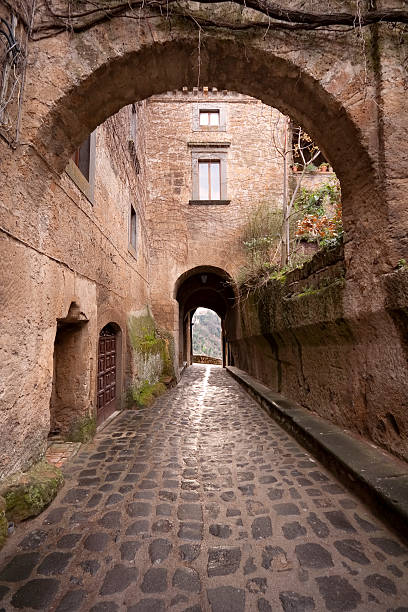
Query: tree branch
column 278, row 18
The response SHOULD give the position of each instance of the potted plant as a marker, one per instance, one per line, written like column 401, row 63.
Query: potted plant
column 324, row 167
column 311, row 168
column 295, row 167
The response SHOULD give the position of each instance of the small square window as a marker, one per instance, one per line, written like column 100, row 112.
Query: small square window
column 133, row 229
column 209, row 179
column 210, row 118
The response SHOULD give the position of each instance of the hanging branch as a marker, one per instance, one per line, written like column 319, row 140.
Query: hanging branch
column 278, row 18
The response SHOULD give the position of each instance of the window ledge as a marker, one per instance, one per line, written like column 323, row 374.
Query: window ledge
column 208, row 145
column 132, row 251
column 210, row 202
column 80, row 181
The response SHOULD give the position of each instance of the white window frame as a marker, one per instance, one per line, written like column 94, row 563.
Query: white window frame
column 209, row 106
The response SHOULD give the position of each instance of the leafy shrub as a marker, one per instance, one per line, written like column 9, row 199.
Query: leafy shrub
column 317, row 224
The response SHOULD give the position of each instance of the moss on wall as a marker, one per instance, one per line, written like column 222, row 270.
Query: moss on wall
column 152, row 358
column 29, row 493
column 83, row 430
column 3, row 522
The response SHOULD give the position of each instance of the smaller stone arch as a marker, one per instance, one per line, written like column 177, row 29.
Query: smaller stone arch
column 208, row 287
column 109, row 371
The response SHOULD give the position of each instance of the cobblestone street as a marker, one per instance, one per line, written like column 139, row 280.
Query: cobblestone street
column 202, row 503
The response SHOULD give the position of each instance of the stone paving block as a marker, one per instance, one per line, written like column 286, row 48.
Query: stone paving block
column 118, row 579
column 37, row 594
column 226, row 599
column 223, row 561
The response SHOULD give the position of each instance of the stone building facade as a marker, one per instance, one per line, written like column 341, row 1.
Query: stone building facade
column 188, row 232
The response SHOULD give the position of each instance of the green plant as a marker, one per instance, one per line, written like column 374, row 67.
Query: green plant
column 311, row 168
column 402, row 263
column 261, row 239
column 315, row 201
column 146, row 394
column 321, row 219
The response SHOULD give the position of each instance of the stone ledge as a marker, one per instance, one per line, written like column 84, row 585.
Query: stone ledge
column 379, row 479
column 209, row 202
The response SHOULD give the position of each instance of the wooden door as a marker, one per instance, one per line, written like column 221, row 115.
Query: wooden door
column 106, row 375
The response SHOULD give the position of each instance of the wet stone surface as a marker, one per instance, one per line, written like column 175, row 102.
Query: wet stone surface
column 202, row 504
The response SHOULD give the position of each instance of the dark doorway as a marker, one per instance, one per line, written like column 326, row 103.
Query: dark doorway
column 69, row 400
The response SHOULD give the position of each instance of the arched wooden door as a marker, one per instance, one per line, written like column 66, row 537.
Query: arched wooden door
column 107, row 364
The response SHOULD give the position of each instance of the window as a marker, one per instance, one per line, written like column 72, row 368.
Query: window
column 82, row 156
column 133, row 229
column 210, row 117
column 81, row 167
column 209, row 179
column 209, row 172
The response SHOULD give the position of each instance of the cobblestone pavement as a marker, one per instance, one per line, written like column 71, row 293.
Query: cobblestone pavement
column 202, row 503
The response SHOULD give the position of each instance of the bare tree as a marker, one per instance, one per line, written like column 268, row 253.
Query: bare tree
column 288, row 142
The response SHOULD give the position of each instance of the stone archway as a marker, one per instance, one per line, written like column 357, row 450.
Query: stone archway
column 207, row 287
column 318, row 88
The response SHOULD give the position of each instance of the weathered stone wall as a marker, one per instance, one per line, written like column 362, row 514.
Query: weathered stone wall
column 300, row 338
column 59, row 249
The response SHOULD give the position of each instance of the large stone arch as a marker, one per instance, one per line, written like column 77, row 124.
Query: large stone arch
column 81, row 80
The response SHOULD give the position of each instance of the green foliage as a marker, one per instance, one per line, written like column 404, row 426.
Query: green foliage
column 207, row 333
column 321, row 215
column 142, row 333
column 3, row 528
column 402, row 263
column 146, row 394
column 311, row 168
column 315, row 201
column 29, row 493
column 83, row 430
column 261, row 241
column 153, row 350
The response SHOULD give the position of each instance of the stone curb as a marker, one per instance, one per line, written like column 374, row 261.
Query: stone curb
column 372, row 474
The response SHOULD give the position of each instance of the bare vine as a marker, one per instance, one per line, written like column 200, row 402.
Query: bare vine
column 271, row 16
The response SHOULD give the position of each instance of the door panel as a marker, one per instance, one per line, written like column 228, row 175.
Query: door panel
column 106, row 376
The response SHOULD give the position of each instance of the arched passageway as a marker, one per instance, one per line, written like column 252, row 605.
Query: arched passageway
column 296, row 84
column 352, row 107
column 207, row 287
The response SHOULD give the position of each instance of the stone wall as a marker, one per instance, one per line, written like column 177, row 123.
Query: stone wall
column 67, row 254
column 60, row 250
column 300, row 337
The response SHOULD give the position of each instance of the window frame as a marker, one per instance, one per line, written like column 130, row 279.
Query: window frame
column 209, row 152
column 209, row 112
column 208, row 163
column 85, row 185
column 133, row 247
column 209, row 107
